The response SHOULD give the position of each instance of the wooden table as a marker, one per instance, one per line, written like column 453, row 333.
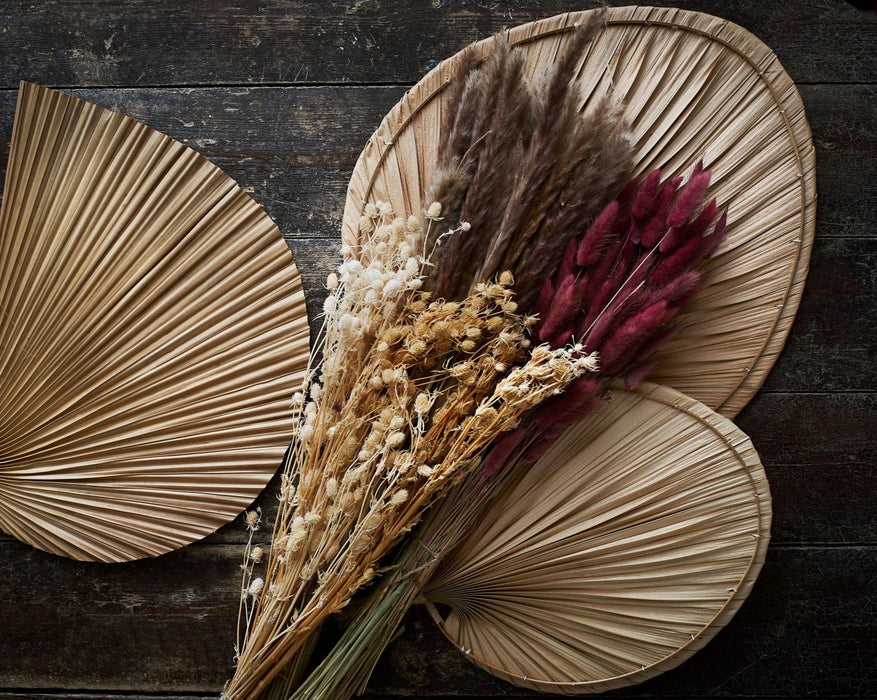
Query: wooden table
column 282, row 96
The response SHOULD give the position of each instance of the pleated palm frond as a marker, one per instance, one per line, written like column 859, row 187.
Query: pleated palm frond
column 152, row 333
column 631, row 542
column 694, row 86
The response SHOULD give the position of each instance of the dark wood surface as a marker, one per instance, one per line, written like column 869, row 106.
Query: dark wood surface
column 283, row 95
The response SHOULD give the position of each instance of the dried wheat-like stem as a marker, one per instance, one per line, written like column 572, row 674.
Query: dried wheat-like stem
column 618, row 289
column 346, row 669
column 410, row 392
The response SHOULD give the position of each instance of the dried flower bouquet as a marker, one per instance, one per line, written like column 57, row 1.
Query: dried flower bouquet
column 427, row 357
column 410, row 392
column 619, row 288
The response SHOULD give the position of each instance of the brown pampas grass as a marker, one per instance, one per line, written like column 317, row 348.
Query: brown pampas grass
column 590, row 171
column 489, row 134
column 523, row 167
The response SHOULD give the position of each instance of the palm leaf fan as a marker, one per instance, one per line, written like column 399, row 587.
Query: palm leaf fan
column 693, row 87
column 630, row 543
column 152, row 333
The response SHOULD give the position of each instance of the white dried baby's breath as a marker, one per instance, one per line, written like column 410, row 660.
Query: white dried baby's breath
column 409, row 393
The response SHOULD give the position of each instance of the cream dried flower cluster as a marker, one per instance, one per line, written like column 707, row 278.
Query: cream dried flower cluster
column 410, row 393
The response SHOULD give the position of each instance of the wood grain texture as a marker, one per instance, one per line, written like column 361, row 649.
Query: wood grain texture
column 166, row 625
column 286, row 117
column 74, row 42
column 292, row 150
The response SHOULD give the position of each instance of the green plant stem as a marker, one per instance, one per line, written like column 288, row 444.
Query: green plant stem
column 291, row 676
column 345, row 671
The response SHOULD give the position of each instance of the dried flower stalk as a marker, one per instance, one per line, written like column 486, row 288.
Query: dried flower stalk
column 523, row 166
column 410, row 392
column 618, row 291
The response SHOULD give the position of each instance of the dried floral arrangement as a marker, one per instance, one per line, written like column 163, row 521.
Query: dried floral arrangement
column 539, row 210
column 535, row 230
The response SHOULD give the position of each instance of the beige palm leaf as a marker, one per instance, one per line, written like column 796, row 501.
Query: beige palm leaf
column 620, row 553
column 152, row 333
column 694, row 86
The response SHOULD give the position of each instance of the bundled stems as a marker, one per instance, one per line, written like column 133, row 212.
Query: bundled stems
column 346, row 669
column 618, row 289
column 428, row 363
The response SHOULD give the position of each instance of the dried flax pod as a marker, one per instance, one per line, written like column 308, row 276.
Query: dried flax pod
column 409, row 393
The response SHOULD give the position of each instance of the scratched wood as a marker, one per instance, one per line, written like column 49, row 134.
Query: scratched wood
column 79, row 42
column 283, row 95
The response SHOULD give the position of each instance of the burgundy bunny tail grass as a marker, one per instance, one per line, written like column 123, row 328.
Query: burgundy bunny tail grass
column 619, row 290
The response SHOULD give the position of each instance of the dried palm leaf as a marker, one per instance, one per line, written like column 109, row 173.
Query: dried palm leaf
column 694, row 87
column 629, row 545
column 152, row 333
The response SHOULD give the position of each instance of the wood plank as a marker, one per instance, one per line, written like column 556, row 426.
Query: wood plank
column 62, row 695
column 71, row 43
column 820, row 497
column 812, row 430
column 817, row 450
column 821, row 473
column 843, row 122
column 832, row 343
column 294, row 148
column 288, row 147
column 166, row 625
column 298, row 170
column 830, row 347
column 157, row 624
column 824, row 505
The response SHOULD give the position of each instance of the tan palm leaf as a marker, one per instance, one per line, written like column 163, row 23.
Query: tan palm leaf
column 618, row 555
column 694, row 86
column 152, row 333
